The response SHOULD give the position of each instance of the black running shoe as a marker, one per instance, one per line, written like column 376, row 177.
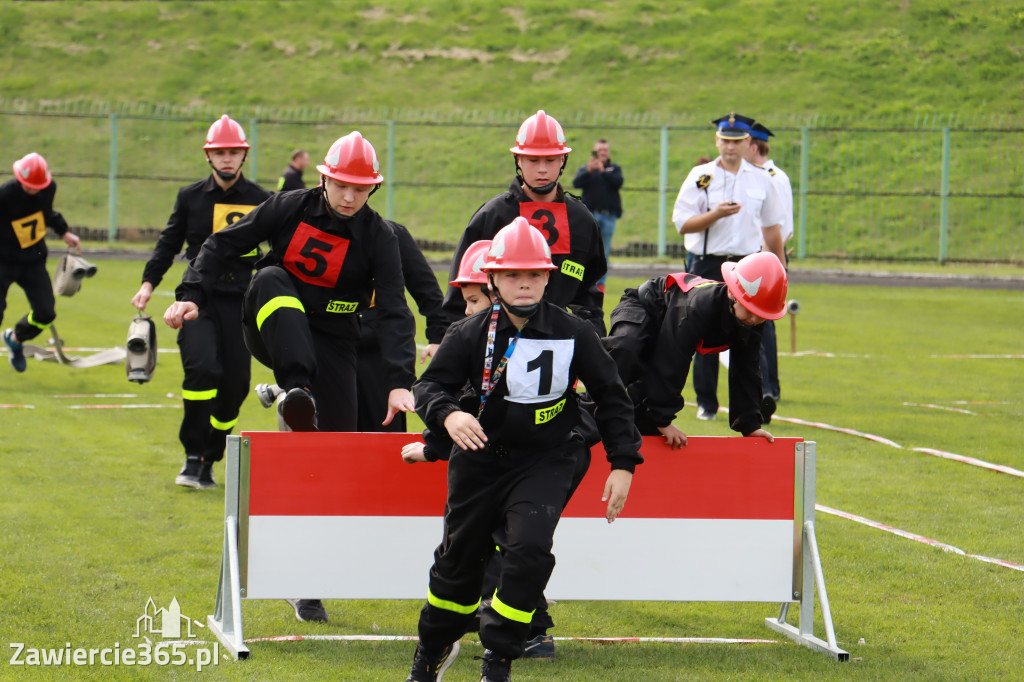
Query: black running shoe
column 299, row 410
column 188, row 477
column 309, row 610
column 541, row 647
column 16, row 354
column 767, row 409
column 494, row 668
column 430, row 668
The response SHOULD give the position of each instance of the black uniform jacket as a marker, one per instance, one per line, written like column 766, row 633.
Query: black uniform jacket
column 421, row 282
column 576, row 249
column 201, row 209
column 694, row 321
column 338, row 267
column 290, row 179
column 23, row 222
column 533, row 405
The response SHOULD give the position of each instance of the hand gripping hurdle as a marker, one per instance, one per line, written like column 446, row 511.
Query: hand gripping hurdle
column 341, row 516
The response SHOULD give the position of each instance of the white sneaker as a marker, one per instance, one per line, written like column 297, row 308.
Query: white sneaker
column 706, row 415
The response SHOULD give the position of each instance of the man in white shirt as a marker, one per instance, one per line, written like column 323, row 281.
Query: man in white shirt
column 725, row 210
column 757, row 154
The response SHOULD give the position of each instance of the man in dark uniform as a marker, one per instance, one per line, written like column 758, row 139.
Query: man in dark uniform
column 421, row 282
column 659, row 327
column 291, row 178
column 26, row 205
column 514, row 459
column 213, row 355
column 330, row 256
column 601, row 180
column 540, row 155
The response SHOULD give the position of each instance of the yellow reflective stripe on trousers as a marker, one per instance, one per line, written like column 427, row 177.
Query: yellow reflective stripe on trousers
column 35, row 324
column 439, row 603
column 510, row 612
column 199, row 395
column 275, row 304
column 222, row 426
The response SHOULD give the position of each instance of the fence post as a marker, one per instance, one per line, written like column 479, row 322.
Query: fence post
column 253, row 156
column 662, row 191
column 112, row 184
column 805, row 142
column 389, row 178
column 944, row 210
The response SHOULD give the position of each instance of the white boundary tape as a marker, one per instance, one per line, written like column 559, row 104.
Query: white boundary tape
column 121, row 407
column 916, row 538
column 594, row 640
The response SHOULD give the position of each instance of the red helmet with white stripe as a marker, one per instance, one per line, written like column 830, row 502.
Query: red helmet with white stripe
column 540, row 135
column 472, row 264
column 226, row 133
column 758, row 282
column 32, row 171
column 518, row 246
column 352, row 159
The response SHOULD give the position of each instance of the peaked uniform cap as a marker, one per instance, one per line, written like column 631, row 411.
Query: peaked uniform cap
column 759, row 283
column 733, row 126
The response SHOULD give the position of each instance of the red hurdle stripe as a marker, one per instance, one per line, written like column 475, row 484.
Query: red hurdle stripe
column 362, row 474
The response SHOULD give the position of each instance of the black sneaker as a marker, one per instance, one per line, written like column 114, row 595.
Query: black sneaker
column 17, row 352
column 205, row 478
column 427, row 668
column 188, row 477
column 309, row 610
column 299, row 410
column 495, row 668
column 541, row 647
column 767, row 409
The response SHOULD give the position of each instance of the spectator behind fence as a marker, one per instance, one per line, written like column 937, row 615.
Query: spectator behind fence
column 213, row 355
column 26, row 204
column 757, row 154
column 291, row 177
column 725, row 210
column 601, row 180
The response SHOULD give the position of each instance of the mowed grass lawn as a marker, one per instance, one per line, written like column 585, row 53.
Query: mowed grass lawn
column 93, row 526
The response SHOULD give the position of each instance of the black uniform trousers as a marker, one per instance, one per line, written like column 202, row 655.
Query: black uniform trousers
column 522, row 492
column 541, row 621
column 705, row 367
column 301, row 353
column 34, row 280
column 217, row 372
column 372, row 390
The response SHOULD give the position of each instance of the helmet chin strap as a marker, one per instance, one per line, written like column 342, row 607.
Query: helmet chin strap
column 540, row 189
column 227, row 177
column 327, row 202
column 524, row 311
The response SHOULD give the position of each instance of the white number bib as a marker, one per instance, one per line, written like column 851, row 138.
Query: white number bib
column 538, row 370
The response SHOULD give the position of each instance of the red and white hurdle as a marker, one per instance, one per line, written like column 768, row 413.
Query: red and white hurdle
column 341, row 516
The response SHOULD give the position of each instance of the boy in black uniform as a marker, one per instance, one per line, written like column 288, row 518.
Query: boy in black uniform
column 330, row 256
column 513, row 462
column 421, row 282
column 213, row 355
column 26, row 205
column 540, row 155
column 658, row 327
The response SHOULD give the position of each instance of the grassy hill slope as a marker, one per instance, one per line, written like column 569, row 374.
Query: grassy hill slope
column 786, row 57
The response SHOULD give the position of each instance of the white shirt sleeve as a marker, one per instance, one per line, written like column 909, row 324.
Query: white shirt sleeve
column 690, row 201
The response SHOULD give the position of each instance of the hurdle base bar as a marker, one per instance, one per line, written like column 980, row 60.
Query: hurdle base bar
column 226, row 621
column 804, row 634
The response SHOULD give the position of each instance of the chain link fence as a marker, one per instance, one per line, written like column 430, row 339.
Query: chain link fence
column 919, row 189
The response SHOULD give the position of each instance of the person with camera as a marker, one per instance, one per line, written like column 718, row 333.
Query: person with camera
column 725, row 210
column 601, row 180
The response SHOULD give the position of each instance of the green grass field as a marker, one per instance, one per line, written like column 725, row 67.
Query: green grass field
column 93, row 525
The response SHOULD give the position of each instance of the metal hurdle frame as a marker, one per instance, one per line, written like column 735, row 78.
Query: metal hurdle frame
column 808, row 577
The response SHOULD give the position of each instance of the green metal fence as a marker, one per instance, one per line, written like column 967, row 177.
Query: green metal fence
column 938, row 189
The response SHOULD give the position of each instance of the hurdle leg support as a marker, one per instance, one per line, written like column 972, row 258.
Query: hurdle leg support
column 804, row 634
column 226, row 622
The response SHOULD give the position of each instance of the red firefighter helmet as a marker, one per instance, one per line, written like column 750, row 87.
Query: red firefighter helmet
column 518, row 246
column 226, row 133
column 758, row 282
column 471, row 265
column 540, row 135
column 32, row 171
column 352, row 159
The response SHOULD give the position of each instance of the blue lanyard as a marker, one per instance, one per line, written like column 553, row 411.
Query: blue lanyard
column 488, row 382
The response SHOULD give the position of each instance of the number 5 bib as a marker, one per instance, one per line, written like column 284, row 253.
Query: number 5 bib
column 315, row 256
